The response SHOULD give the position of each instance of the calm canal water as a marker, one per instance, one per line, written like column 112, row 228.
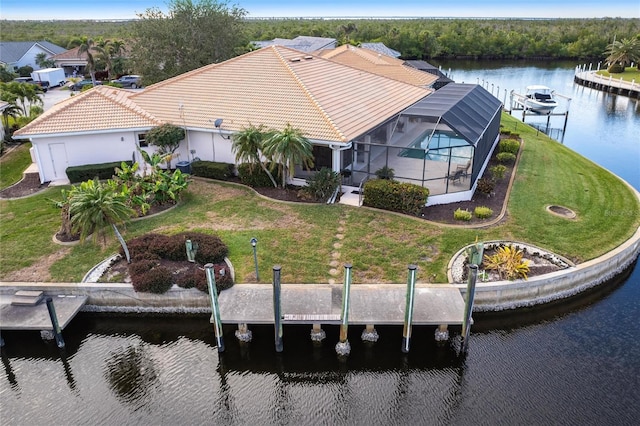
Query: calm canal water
column 577, row 363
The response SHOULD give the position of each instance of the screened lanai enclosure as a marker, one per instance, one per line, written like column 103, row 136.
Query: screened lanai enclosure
column 442, row 142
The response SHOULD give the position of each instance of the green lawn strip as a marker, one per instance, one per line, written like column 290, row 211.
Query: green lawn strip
column 630, row 74
column 13, row 164
column 26, row 230
column 550, row 173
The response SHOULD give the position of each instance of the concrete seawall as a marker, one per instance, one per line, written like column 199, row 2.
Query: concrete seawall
column 504, row 295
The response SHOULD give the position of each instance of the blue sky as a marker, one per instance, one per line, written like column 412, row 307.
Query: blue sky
column 127, row 9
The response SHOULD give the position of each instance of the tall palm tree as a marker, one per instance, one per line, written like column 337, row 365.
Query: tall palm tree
column 88, row 47
column 623, row 51
column 22, row 95
column 247, row 145
column 288, row 147
column 94, row 206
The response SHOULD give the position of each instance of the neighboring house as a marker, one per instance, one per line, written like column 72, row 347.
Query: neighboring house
column 442, row 81
column 357, row 121
column 71, row 61
column 3, row 105
column 377, row 63
column 381, row 48
column 303, row 43
column 16, row 54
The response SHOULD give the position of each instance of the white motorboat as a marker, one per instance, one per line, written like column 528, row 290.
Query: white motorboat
column 540, row 99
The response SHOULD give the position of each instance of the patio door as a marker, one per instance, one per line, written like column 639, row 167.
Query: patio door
column 59, row 163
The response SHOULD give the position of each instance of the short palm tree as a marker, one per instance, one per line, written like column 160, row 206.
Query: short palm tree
column 94, row 206
column 247, row 145
column 288, row 148
column 623, row 51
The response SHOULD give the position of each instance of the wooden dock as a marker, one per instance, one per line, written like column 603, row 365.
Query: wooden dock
column 435, row 304
column 607, row 84
column 36, row 317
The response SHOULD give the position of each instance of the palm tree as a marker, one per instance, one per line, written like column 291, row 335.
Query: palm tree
column 88, row 46
column 623, row 51
column 288, row 147
column 22, row 95
column 43, row 62
column 247, row 145
column 94, row 206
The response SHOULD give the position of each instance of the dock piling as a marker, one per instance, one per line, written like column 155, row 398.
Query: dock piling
column 408, row 311
column 277, row 316
column 215, row 310
column 468, row 306
column 57, row 331
column 343, row 347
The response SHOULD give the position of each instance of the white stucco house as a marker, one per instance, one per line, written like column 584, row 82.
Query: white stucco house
column 359, row 115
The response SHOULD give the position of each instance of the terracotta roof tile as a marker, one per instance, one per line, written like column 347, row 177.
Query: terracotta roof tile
column 377, row 63
column 273, row 86
column 276, row 86
column 100, row 108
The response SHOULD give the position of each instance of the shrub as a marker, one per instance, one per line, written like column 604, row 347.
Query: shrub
column 504, row 131
column 508, row 262
column 385, row 172
column 460, row 214
column 482, row 212
column 253, row 175
column 509, row 145
column 149, row 243
column 506, row 158
column 223, row 282
column 91, row 171
column 196, row 278
column 148, row 276
column 212, row 170
column 322, row 184
column 486, row 185
column 514, row 135
column 615, row 69
column 498, row 171
column 395, row 196
column 211, row 249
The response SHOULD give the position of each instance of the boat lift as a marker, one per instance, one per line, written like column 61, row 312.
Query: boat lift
column 518, row 103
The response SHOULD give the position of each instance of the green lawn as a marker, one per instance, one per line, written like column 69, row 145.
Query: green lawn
column 13, row 163
column 630, row 74
column 305, row 238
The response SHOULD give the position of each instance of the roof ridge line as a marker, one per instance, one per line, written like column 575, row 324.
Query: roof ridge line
column 308, row 93
column 128, row 104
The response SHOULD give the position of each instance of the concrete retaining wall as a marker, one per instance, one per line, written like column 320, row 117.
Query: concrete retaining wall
column 503, row 295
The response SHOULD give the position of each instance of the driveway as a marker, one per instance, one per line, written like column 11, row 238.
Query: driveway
column 55, row 95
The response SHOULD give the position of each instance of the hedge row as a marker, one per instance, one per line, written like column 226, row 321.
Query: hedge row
column 395, row 196
column 253, row 175
column 212, row 169
column 91, row 171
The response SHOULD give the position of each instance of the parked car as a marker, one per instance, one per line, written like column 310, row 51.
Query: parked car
column 44, row 85
column 132, row 81
column 82, row 83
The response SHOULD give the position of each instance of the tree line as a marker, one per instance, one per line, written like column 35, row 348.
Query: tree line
column 414, row 38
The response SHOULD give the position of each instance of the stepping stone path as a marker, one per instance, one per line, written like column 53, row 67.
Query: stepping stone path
column 335, row 270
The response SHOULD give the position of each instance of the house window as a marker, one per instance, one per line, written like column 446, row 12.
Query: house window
column 142, row 140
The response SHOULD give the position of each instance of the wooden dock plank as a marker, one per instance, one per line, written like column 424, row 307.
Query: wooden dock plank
column 16, row 317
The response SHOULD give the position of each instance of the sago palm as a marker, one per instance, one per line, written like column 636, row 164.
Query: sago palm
column 94, row 206
column 247, row 145
column 288, row 147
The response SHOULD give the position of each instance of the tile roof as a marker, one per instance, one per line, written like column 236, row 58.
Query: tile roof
column 102, row 108
column 70, row 54
column 273, row 86
column 381, row 48
column 276, row 86
column 303, row 43
column 368, row 60
column 12, row 51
